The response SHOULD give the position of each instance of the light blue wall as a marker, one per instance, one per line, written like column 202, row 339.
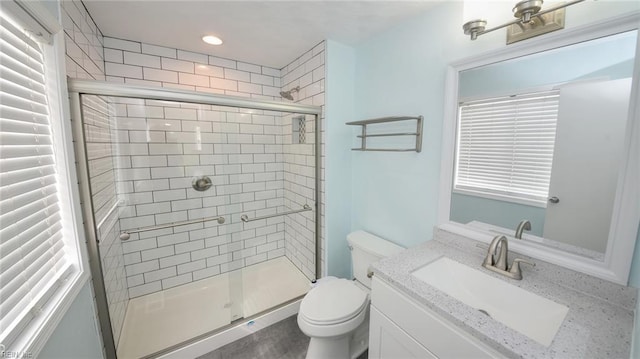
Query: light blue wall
column 500, row 213
column 402, row 71
column 77, row 334
column 339, row 94
column 611, row 58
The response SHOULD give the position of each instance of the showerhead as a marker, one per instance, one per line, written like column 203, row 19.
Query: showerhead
column 288, row 94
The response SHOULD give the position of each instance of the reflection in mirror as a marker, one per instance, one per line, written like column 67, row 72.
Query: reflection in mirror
column 540, row 138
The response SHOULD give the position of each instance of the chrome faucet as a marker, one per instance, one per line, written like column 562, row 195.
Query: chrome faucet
column 522, row 226
column 500, row 261
column 499, row 264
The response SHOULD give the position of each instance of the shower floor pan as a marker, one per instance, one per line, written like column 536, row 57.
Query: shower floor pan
column 160, row 320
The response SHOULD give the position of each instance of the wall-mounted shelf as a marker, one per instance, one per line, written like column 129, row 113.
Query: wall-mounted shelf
column 374, row 121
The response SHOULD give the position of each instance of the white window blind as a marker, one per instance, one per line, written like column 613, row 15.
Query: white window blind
column 505, row 146
column 32, row 251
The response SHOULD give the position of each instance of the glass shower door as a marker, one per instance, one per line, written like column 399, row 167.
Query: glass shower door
column 157, row 190
column 162, row 175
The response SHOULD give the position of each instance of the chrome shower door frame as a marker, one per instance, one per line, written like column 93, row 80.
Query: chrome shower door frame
column 78, row 87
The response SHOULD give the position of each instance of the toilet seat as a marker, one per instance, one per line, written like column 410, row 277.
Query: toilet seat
column 334, row 302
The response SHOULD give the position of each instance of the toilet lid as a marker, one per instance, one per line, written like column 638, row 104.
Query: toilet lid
column 333, row 302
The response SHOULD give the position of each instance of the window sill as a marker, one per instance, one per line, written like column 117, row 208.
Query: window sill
column 502, row 198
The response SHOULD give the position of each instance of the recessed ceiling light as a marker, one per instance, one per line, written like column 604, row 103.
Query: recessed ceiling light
column 212, row 40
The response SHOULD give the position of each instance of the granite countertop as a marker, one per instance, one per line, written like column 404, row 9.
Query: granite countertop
column 599, row 323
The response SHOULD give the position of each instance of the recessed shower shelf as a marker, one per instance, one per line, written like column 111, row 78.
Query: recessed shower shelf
column 374, row 121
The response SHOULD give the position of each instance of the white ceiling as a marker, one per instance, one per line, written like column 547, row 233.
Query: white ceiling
column 271, row 33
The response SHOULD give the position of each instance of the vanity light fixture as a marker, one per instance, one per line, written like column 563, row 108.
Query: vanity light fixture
column 212, row 40
column 531, row 21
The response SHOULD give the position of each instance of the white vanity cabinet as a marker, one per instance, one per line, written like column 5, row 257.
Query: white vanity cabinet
column 401, row 328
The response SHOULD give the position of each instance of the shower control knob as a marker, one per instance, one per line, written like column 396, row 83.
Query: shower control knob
column 202, row 183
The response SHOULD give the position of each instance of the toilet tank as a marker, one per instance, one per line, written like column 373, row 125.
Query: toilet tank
column 366, row 249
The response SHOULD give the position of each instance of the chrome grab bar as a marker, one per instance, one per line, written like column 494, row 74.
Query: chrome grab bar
column 246, row 218
column 125, row 235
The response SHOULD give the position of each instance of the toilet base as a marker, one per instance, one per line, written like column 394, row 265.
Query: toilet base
column 322, row 348
column 349, row 346
column 359, row 340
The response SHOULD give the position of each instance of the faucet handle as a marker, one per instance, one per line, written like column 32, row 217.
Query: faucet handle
column 515, row 267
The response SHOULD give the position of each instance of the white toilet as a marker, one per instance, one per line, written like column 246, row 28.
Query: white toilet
column 335, row 313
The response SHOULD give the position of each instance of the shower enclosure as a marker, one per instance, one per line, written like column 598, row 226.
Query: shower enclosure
column 200, row 210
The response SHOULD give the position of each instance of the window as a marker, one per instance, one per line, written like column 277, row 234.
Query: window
column 40, row 263
column 505, row 146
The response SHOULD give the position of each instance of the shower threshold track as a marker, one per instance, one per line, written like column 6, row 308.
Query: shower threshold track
column 163, row 319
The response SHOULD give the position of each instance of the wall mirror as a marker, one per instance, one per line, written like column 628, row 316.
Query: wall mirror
column 544, row 132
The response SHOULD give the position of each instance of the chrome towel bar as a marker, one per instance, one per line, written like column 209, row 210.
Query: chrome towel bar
column 364, row 135
column 390, row 134
column 384, row 149
column 384, row 120
column 246, row 218
column 125, row 235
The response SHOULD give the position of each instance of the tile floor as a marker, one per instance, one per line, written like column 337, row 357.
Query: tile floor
column 283, row 340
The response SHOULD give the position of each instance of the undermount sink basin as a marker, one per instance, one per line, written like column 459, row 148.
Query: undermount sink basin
column 532, row 315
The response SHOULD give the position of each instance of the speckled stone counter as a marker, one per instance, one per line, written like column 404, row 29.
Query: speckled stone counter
column 599, row 323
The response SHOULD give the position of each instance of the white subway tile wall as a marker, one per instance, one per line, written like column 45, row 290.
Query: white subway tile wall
column 307, row 72
column 144, row 64
column 254, row 166
column 102, row 174
column 85, row 59
column 83, row 41
column 160, row 147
